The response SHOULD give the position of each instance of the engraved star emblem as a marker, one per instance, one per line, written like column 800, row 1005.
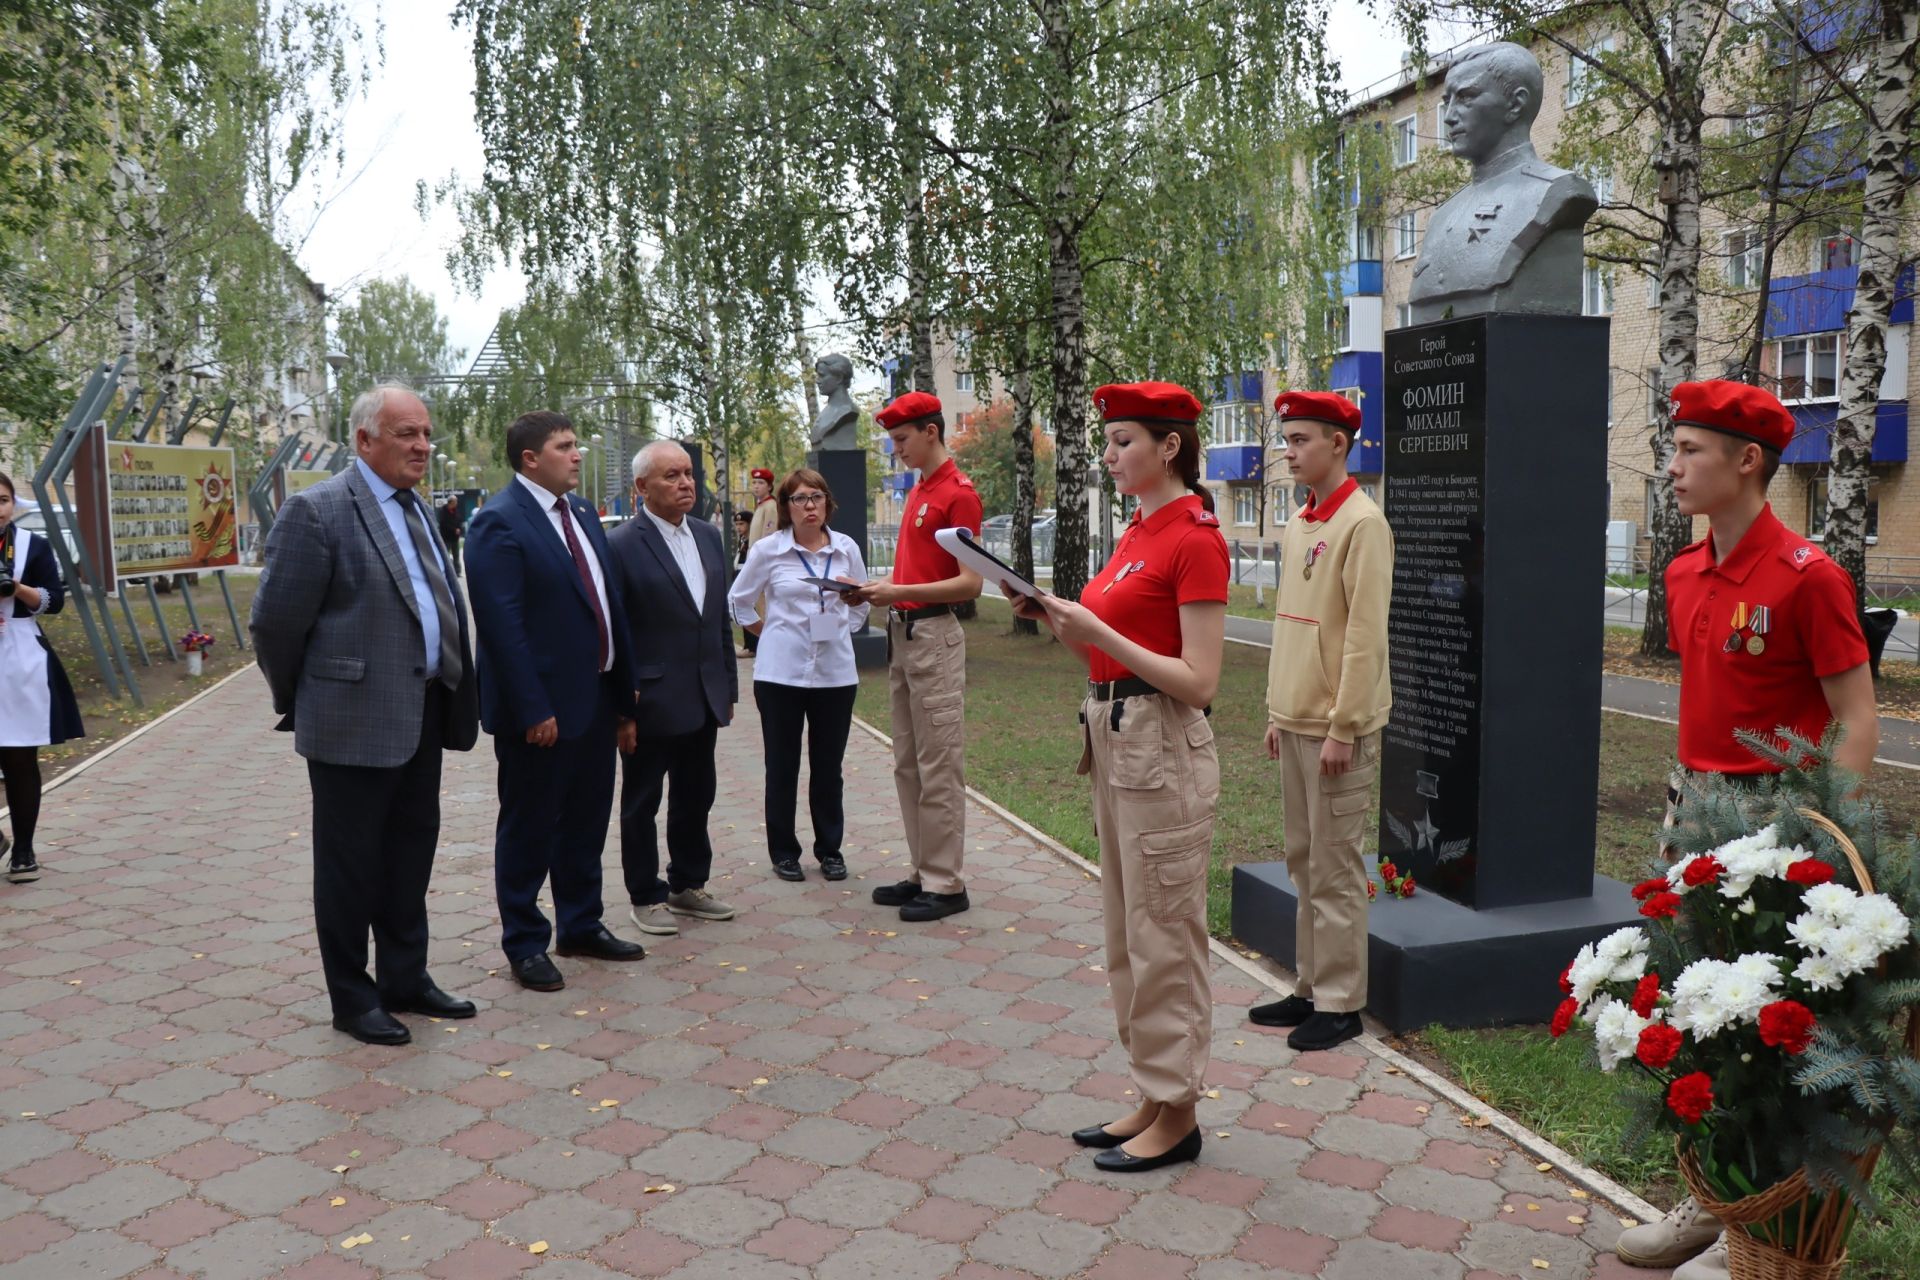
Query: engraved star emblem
column 1426, row 830
column 1483, row 220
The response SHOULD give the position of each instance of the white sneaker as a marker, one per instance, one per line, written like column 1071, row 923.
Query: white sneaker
column 699, row 904
column 1684, row 1232
column 655, row 919
column 1711, row 1265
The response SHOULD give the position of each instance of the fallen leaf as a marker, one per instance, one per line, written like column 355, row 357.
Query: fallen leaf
column 1239, row 1041
column 1629, row 1222
column 1577, row 1219
column 609, row 1102
column 579, row 1013
column 1506, row 1208
column 759, row 1079
column 538, row 1246
column 1213, row 1093
column 1533, row 1208
column 337, row 1201
column 353, row 1241
column 1541, row 1264
column 574, row 1092
column 1303, row 1081
column 665, row 1187
column 1422, row 1110
column 543, row 1046
column 503, row 1074
column 1223, row 1134
column 1578, row 1194
column 1543, row 1167
column 28, row 1115
column 353, row 1155
column 404, row 1239
column 340, row 1168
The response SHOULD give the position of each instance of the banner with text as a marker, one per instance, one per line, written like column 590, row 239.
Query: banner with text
column 172, row 508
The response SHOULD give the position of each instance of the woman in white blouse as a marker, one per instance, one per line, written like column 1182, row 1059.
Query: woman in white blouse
column 803, row 671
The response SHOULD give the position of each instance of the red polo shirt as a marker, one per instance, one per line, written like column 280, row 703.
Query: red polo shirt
column 1176, row 557
column 943, row 500
column 1777, row 592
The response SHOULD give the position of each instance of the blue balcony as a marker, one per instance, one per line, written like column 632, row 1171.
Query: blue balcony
column 1813, row 433
column 1361, row 277
column 1245, row 387
column 1818, row 303
column 1365, row 371
column 1234, row 462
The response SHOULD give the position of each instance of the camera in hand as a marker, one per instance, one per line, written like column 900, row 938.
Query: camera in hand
column 6, row 582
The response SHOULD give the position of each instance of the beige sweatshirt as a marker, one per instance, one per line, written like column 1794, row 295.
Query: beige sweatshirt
column 1327, row 675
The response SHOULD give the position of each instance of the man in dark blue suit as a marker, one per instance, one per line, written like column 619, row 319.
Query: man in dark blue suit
column 671, row 572
column 555, row 684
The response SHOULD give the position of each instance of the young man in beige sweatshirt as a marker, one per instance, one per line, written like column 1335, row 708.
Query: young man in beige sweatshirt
column 1328, row 695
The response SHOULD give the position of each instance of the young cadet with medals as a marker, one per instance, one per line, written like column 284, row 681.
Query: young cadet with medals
column 927, row 661
column 1151, row 627
column 1769, row 637
column 1328, row 695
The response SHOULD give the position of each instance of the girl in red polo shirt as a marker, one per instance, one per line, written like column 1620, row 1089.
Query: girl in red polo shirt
column 1151, row 626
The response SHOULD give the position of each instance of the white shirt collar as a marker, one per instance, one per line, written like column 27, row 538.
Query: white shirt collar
column 666, row 527
column 542, row 495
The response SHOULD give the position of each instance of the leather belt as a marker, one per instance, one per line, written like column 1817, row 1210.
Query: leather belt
column 1127, row 687
column 922, row 613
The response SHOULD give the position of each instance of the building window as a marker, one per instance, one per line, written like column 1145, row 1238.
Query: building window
column 1838, row 250
column 1403, row 315
column 1246, row 504
column 1234, row 423
column 1406, row 236
column 1277, row 503
column 962, row 423
column 1596, row 291
column 1581, row 76
column 1809, row 367
column 1280, row 352
column 1340, row 328
column 1602, row 184
column 1745, row 253
column 1406, row 139
column 1817, row 510
column 1363, row 238
column 963, row 381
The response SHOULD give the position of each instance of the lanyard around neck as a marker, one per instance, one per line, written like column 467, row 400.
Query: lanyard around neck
column 808, row 566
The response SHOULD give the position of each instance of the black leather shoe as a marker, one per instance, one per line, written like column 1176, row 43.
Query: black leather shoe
column 1118, row 1161
column 935, row 906
column 601, row 945
column 1290, row 1012
column 1324, row 1030
column 833, row 867
column 537, row 973
column 1097, row 1137
column 432, row 1002
column 375, row 1026
column 896, row 895
column 789, row 869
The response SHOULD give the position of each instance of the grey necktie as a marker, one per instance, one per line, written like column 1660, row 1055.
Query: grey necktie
column 451, row 668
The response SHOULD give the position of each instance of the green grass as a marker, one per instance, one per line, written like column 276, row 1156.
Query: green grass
column 1023, row 741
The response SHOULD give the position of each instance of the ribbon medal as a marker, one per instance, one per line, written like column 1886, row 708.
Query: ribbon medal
column 1758, row 624
column 1125, row 569
column 1739, row 624
column 1314, row 552
column 920, row 516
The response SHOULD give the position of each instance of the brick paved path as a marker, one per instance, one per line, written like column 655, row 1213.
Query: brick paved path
column 814, row 1089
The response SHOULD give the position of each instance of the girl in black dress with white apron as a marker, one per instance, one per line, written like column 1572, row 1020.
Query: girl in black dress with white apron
column 37, row 706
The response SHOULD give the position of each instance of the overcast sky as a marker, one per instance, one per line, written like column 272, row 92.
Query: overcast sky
column 415, row 124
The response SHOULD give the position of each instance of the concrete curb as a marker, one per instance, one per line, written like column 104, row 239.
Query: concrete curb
column 1590, row 1180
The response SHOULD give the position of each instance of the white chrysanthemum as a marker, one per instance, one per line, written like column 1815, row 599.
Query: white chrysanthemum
column 1747, row 907
column 1763, row 965
column 1877, row 916
column 1586, row 974
column 1743, row 867
column 1851, row 950
column 1616, row 1031
column 1743, row 988
column 1834, row 901
column 1699, row 1004
column 1819, row 972
column 1622, row 943
column 1812, row 932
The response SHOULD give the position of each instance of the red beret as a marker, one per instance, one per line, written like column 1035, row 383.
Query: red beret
column 1734, row 409
column 761, row 473
column 911, row 407
column 1320, row 406
column 1147, row 402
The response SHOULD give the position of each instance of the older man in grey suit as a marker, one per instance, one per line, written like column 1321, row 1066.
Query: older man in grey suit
column 360, row 629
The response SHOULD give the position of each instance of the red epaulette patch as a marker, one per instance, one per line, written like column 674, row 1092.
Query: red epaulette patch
column 965, row 480
column 1801, row 555
column 1203, row 516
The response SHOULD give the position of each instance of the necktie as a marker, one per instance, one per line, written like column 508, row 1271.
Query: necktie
column 451, row 668
column 586, row 580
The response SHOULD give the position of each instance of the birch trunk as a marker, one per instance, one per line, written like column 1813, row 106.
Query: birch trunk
column 1889, row 147
column 1066, row 279
column 1023, row 479
column 919, row 304
column 1678, row 163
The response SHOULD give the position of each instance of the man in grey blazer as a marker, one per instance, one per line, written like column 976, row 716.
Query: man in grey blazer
column 361, row 631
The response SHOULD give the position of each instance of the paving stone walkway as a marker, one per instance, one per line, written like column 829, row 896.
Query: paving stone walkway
column 814, row 1089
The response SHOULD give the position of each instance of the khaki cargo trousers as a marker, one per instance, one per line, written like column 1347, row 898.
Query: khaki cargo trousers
column 1156, row 785
column 1326, row 827
column 927, row 682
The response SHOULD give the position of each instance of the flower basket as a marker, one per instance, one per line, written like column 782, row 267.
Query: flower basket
column 1819, row 1223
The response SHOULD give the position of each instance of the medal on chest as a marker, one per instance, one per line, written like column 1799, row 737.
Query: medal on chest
column 1314, row 553
column 1753, row 622
column 1125, row 569
column 920, row 516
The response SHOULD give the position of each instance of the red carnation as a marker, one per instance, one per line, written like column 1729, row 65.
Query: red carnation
column 1809, row 871
column 1646, row 995
column 1658, row 1045
column 1388, row 871
column 1661, row 906
column 1691, row 1096
column 1701, row 871
column 1647, row 888
column 1563, row 1017
column 1373, row 891
column 1406, row 886
column 1787, row 1025
column 1566, row 981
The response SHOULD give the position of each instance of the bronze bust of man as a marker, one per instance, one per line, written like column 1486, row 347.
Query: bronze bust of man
column 1510, row 240
column 839, row 418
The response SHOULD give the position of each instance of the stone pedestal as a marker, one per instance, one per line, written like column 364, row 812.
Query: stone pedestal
column 1495, row 485
column 845, row 471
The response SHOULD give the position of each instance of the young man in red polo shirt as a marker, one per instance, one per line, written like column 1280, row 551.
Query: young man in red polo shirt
column 1769, row 636
column 927, row 662
column 1328, row 696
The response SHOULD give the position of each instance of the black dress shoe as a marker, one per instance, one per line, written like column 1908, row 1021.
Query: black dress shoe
column 896, row 895
column 789, row 869
column 537, row 973
column 375, row 1026
column 833, row 867
column 601, row 945
column 935, row 906
column 1290, row 1012
column 1324, row 1030
column 1118, row 1161
column 1098, row 1137
column 432, row 1002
